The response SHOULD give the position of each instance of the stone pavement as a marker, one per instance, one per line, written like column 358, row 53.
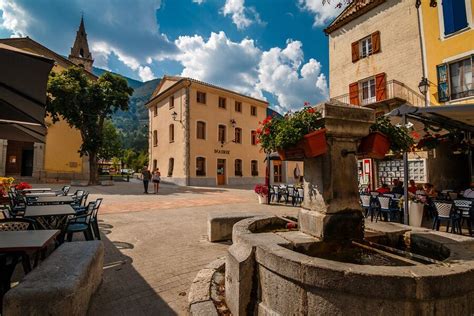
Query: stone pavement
column 156, row 244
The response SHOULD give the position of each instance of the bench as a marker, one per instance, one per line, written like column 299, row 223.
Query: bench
column 219, row 226
column 62, row 285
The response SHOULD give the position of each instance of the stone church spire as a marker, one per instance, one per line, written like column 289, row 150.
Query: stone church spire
column 80, row 54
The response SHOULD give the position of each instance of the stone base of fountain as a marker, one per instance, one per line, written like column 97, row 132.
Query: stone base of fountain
column 292, row 273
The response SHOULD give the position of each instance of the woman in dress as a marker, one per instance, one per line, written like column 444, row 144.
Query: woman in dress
column 156, row 180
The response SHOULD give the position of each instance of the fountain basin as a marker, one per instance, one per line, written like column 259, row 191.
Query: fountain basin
column 288, row 273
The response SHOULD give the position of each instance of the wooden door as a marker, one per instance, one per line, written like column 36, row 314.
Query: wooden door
column 220, row 171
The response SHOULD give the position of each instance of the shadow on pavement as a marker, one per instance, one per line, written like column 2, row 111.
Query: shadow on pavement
column 123, row 290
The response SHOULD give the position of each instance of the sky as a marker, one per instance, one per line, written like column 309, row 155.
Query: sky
column 270, row 49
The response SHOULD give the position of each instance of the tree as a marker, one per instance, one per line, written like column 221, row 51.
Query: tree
column 112, row 142
column 86, row 105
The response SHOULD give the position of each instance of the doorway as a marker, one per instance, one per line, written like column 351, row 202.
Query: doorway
column 221, row 172
column 27, row 163
column 277, row 176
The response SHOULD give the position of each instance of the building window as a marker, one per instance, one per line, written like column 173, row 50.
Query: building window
column 155, row 110
column 455, row 80
column 222, row 134
column 171, row 101
column 155, row 164
column 155, row 138
column 253, row 110
column 238, row 135
column 171, row 132
column 201, row 97
column 454, row 16
column 200, row 166
column 170, row 167
column 201, row 130
column 254, row 167
column 238, row 167
column 253, row 140
column 460, row 77
column 222, row 103
column 365, row 48
column 238, row 106
column 368, row 91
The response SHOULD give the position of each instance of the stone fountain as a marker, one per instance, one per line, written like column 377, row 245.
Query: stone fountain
column 336, row 265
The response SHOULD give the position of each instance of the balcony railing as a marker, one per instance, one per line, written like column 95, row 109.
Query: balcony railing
column 394, row 91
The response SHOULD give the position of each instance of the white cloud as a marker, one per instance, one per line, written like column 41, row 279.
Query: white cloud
column 323, row 13
column 198, row 1
column 243, row 67
column 242, row 16
column 112, row 26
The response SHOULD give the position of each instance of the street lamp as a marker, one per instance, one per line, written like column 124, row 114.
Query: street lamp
column 174, row 115
column 423, row 85
column 233, row 122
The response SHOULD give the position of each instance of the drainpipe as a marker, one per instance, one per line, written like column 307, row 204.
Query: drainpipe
column 422, row 48
column 187, row 123
column 405, row 181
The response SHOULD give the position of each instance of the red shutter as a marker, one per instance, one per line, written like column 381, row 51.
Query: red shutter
column 354, row 93
column 355, row 51
column 380, row 86
column 375, row 42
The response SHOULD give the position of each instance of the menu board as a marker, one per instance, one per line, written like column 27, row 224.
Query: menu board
column 389, row 170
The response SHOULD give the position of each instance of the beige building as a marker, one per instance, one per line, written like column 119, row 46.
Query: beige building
column 375, row 55
column 201, row 134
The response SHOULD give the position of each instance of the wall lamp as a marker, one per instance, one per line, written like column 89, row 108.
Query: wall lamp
column 233, row 122
column 174, row 115
column 423, row 85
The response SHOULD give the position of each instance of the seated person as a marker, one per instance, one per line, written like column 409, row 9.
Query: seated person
column 430, row 190
column 383, row 189
column 469, row 193
column 412, row 187
column 398, row 187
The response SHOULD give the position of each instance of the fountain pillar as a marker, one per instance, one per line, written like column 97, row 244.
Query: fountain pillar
column 331, row 209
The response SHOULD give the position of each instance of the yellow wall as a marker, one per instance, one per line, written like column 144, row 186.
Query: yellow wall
column 440, row 49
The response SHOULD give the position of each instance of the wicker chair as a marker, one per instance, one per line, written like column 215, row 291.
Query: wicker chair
column 386, row 207
column 466, row 211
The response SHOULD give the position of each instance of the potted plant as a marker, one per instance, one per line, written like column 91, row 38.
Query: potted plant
column 385, row 137
column 262, row 192
column 22, row 186
column 5, row 185
column 296, row 136
column 415, row 211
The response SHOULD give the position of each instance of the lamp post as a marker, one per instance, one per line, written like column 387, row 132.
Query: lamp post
column 423, row 86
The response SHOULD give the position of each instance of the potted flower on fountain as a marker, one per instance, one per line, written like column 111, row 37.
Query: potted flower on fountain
column 262, row 192
column 296, row 136
column 385, row 137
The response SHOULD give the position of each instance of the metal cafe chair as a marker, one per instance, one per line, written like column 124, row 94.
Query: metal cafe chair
column 446, row 212
column 466, row 211
column 366, row 204
column 386, row 207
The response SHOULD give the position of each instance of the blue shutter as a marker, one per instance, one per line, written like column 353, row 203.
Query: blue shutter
column 443, row 88
column 454, row 15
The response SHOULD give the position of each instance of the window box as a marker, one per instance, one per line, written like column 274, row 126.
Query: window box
column 375, row 145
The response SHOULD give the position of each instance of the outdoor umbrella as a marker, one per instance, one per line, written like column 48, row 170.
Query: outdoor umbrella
column 23, row 80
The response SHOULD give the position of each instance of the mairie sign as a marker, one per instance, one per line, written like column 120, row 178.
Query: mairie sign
column 222, row 151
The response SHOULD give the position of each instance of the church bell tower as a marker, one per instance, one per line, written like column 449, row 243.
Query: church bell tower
column 80, row 54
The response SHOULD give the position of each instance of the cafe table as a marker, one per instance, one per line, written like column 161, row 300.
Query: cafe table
column 13, row 246
column 40, row 194
column 32, row 190
column 50, row 216
column 53, row 200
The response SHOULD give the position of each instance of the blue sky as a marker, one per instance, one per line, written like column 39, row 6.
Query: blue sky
column 273, row 49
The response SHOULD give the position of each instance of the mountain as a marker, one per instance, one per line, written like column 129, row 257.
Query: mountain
column 133, row 124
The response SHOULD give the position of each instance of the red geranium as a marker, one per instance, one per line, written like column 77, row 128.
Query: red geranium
column 22, row 186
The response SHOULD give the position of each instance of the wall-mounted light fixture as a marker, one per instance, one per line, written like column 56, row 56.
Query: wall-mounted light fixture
column 233, row 122
column 174, row 115
column 423, row 85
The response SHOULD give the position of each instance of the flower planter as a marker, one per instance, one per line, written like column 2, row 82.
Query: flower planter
column 312, row 145
column 375, row 145
column 415, row 213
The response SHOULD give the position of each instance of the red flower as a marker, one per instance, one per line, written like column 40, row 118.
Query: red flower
column 267, row 131
column 415, row 135
column 311, row 110
column 306, row 103
column 259, row 131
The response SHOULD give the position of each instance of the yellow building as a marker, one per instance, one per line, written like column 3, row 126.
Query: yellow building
column 448, row 36
column 58, row 158
column 201, row 134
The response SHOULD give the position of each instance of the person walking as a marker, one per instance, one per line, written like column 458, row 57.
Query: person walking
column 146, row 174
column 156, row 180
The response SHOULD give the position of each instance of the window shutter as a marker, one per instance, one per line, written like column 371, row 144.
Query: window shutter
column 376, row 42
column 355, row 51
column 354, row 93
column 443, row 89
column 380, row 87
